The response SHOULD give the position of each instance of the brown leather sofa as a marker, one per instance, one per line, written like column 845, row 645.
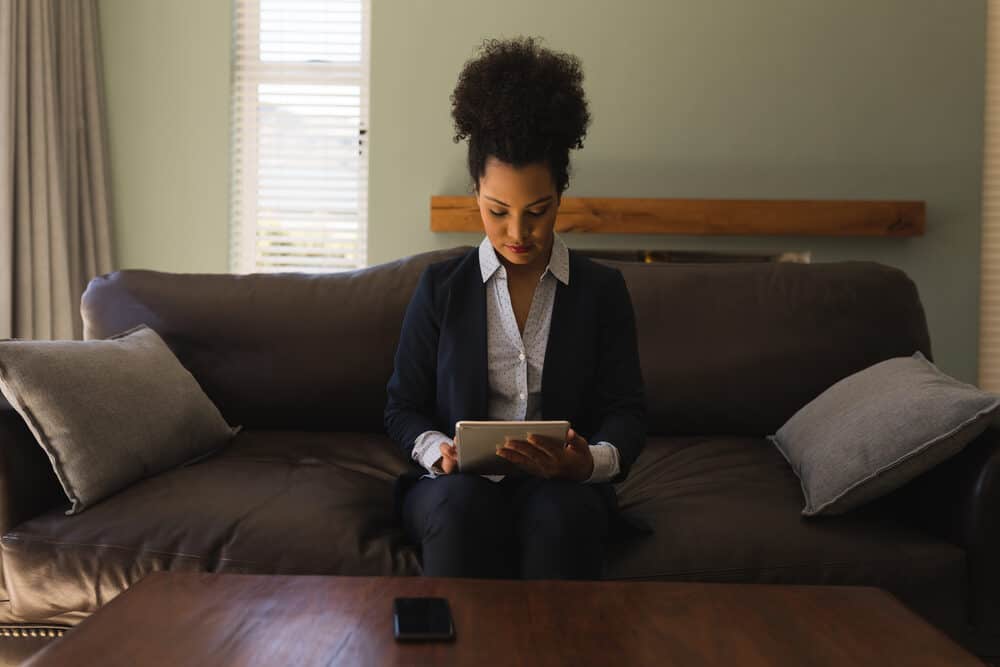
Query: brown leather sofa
column 729, row 352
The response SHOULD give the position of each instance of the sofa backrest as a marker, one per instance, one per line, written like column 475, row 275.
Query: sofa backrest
column 281, row 350
column 739, row 348
column 725, row 348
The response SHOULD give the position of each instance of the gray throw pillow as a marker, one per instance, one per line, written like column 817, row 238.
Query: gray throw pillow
column 109, row 412
column 874, row 431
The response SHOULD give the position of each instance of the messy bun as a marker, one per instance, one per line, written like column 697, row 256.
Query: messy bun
column 522, row 104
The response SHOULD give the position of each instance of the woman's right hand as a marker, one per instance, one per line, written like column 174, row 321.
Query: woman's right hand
column 449, row 458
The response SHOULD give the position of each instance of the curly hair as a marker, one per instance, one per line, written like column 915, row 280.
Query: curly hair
column 522, row 104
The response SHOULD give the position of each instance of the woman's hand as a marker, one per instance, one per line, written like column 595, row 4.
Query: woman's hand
column 551, row 458
column 449, row 458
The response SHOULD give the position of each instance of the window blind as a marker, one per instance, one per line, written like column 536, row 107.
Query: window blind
column 989, row 297
column 299, row 183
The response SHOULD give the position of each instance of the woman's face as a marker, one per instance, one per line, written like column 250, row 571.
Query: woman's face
column 518, row 207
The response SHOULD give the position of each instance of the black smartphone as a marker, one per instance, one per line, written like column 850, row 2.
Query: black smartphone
column 422, row 619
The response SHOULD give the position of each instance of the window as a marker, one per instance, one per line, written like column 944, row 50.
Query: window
column 299, row 183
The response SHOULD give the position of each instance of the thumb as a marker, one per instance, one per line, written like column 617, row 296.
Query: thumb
column 576, row 441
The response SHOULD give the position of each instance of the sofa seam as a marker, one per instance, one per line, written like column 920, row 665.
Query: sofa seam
column 8, row 538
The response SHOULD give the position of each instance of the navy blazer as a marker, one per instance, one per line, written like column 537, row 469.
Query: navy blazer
column 591, row 374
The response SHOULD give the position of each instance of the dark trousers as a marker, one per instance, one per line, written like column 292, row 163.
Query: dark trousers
column 526, row 527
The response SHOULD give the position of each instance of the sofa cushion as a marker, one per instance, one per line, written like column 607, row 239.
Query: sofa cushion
column 109, row 412
column 728, row 509
column 293, row 502
column 271, row 502
column 878, row 429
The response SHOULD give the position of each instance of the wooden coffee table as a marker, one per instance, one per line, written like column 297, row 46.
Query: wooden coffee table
column 233, row 619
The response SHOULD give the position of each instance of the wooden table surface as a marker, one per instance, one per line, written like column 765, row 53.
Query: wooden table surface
column 233, row 619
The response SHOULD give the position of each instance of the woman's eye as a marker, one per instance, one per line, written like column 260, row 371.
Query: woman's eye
column 534, row 214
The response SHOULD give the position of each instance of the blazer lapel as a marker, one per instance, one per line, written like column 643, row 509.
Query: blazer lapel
column 471, row 379
column 559, row 351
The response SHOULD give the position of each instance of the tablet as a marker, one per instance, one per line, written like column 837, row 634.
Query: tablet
column 477, row 443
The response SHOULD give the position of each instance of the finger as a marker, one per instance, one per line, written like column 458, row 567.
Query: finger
column 449, row 465
column 448, row 451
column 537, row 453
column 523, row 461
column 551, row 445
column 543, row 447
column 540, row 460
column 575, row 440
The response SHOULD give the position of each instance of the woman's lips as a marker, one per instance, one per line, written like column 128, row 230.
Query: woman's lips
column 519, row 248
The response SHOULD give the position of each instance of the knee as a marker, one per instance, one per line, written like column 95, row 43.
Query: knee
column 466, row 505
column 561, row 509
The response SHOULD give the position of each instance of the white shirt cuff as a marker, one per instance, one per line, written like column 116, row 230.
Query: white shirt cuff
column 427, row 449
column 607, row 462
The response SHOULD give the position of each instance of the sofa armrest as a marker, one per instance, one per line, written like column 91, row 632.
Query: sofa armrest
column 959, row 501
column 28, row 486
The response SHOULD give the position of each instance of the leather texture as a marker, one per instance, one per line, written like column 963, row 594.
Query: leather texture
column 278, row 351
column 20, row 642
column 28, row 485
column 272, row 502
column 729, row 352
column 726, row 349
column 959, row 501
column 728, row 509
column 736, row 349
column 723, row 509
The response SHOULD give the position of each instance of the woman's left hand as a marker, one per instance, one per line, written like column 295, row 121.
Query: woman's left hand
column 551, row 458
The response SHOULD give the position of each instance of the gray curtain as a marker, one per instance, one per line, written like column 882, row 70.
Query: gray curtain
column 55, row 227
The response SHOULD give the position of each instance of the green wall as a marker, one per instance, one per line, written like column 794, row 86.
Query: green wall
column 873, row 99
column 166, row 76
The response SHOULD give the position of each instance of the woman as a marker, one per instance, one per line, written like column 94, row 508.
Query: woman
column 520, row 328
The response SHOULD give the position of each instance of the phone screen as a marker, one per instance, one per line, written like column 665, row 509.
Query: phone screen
column 422, row 618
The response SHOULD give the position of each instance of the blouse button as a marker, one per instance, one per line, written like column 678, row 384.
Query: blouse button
column 521, row 356
column 521, row 395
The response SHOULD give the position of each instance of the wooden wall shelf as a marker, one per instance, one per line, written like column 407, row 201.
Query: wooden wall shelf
column 708, row 217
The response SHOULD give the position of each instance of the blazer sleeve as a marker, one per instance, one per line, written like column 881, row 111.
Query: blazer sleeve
column 411, row 390
column 621, row 401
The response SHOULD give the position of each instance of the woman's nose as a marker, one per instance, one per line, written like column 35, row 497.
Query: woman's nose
column 517, row 229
